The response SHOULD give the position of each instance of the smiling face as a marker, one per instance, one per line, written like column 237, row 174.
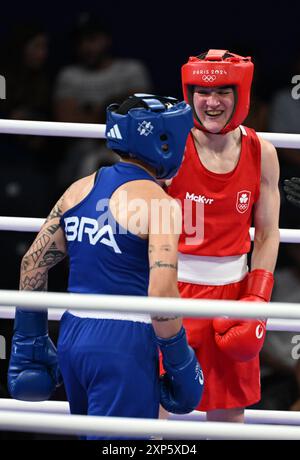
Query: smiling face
column 214, row 106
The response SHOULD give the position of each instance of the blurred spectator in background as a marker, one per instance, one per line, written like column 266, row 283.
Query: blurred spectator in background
column 280, row 365
column 84, row 89
column 285, row 118
column 28, row 83
column 258, row 114
column 28, row 92
column 27, row 162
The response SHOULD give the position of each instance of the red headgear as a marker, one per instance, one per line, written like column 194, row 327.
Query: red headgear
column 220, row 68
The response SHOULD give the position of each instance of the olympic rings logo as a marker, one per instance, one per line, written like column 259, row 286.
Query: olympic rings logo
column 209, row 78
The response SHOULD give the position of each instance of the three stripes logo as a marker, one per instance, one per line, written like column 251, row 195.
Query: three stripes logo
column 114, row 132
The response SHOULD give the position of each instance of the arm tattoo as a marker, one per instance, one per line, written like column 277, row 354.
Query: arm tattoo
column 43, row 254
column 166, row 247
column 39, row 246
column 52, row 228
column 51, row 257
column 38, row 282
column 161, row 319
column 163, row 247
column 56, row 211
column 160, row 264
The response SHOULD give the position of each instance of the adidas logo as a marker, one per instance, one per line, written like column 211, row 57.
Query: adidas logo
column 114, row 132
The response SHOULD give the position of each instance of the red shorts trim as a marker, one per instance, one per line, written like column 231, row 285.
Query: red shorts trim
column 228, row 384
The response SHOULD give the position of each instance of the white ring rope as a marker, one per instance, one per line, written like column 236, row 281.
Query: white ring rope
column 21, row 224
column 280, row 324
column 287, row 235
column 85, row 425
column 138, row 427
column 34, row 224
column 62, row 407
column 52, row 128
column 151, row 305
column 273, row 324
column 273, row 417
column 54, row 407
column 282, row 140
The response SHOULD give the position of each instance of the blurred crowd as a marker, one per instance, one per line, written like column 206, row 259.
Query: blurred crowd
column 35, row 170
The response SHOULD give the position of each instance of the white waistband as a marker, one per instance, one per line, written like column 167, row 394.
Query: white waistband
column 111, row 315
column 211, row 270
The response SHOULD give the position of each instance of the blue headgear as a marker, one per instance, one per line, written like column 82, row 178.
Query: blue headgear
column 152, row 129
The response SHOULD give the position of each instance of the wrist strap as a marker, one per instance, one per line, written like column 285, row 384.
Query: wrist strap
column 31, row 323
column 260, row 283
column 175, row 350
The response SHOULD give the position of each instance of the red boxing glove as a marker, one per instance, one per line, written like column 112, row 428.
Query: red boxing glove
column 260, row 285
column 242, row 340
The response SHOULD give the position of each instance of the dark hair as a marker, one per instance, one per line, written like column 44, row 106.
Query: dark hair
column 88, row 24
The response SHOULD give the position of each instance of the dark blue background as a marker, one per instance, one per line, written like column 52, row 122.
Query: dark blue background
column 163, row 34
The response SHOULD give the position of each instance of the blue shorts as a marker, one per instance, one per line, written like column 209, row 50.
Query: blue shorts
column 109, row 367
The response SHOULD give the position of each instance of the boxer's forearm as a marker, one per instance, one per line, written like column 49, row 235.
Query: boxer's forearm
column 166, row 326
column 265, row 251
column 42, row 255
column 33, row 281
column 163, row 283
column 46, row 251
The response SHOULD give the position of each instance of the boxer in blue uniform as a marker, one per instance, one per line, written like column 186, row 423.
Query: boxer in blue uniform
column 109, row 361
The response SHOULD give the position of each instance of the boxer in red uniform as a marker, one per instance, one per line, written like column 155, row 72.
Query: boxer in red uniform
column 234, row 174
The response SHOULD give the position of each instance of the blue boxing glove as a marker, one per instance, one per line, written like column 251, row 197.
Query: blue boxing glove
column 33, row 372
column 181, row 386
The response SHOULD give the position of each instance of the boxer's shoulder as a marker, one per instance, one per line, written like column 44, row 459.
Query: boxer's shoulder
column 77, row 192
column 144, row 189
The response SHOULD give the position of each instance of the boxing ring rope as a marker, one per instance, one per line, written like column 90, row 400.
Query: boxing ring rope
column 34, row 224
column 197, row 308
column 39, row 422
column 26, row 224
column 62, row 407
column 59, row 421
column 52, row 128
column 91, row 130
column 273, row 324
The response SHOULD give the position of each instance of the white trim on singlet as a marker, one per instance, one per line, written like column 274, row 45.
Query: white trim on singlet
column 243, row 131
column 211, row 270
column 141, row 318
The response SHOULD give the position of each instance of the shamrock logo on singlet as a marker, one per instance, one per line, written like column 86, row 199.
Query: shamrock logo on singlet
column 243, row 201
column 243, row 198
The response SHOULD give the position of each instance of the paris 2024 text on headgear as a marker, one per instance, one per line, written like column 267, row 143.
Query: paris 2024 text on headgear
column 152, row 129
column 220, row 68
